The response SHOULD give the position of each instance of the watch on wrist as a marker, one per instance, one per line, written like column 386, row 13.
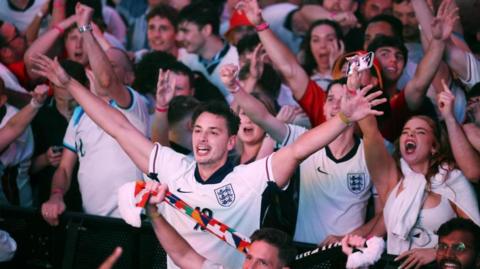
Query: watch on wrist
column 85, row 28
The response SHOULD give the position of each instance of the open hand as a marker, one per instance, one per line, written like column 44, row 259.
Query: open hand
column 251, row 9
column 359, row 105
column 444, row 22
column 228, row 74
column 257, row 61
column 50, row 69
column 165, row 88
column 416, row 258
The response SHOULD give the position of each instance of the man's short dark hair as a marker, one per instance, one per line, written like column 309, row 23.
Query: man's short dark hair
column 395, row 24
column 164, row 11
column 248, row 43
column 201, row 14
column 181, row 68
column 388, row 41
column 220, row 109
column 75, row 70
column 278, row 239
column 146, row 71
column 464, row 225
column 181, row 107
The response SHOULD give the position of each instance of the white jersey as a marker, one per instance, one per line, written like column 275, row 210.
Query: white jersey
column 473, row 65
column 15, row 160
column 231, row 195
column 104, row 166
column 333, row 193
column 21, row 19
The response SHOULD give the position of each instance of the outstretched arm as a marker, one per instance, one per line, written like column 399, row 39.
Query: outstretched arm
column 135, row 144
column 282, row 57
column 465, row 155
column 442, row 26
column 18, row 123
column 109, row 84
column 176, row 247
column 353, row 108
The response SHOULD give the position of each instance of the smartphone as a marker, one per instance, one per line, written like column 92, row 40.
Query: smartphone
column 361, row 62
column 57, row 149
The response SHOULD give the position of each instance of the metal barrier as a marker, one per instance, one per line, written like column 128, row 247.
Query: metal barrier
column 79, row 241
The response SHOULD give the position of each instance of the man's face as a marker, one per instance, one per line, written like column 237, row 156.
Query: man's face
column 74, row 47
column 372, row 8
column 262, row 255
column 182, row 84
column 473, row 109
column 456, row 251
column 15, row 44
column 392, row 61
column 211, row 141
column 161, row 34
column 331, row 107
column 375, row 29
column 405, row 13
column 192, row 37
column 340, row 5
column 118, row 60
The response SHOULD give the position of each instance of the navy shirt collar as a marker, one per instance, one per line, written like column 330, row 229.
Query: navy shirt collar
column 216, row 177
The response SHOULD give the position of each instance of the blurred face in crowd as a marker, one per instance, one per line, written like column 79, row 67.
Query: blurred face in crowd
column 74, row 47
column 182, row 84
column 340, row 5
column 161, row 34
column 14, row 45
column 457, row 250
column 262, row 255
column 375, row 29
column 392, row 61
column 405, row 13
column 249, row 132
column 211, row 140
column 332, row 104
column 192, row 37
column 417, row 141
column 323, row 39
column 473, row 109
column 121, row 65
column 372, row 8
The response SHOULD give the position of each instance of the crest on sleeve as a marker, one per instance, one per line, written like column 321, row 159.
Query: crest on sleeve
column 356, row 182
column 225, row 195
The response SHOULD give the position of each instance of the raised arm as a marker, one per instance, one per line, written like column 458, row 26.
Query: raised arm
column 135, row 144
column 353, row 108
column 182, row 254
column 254, row 109
column 18, row 123
column 442, row 26
column 32, row 30
column 165, row 93
column 285, row 61
column 466, row 157
column 44, row 44
column 109, row 84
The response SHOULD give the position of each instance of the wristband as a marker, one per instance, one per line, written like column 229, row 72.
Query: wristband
column 58, row 4
column 57, row 191
column 262, row 26
column 59, row 29
column 161, row 109
column 35, row 104
column 344, row 118
column 85, row 28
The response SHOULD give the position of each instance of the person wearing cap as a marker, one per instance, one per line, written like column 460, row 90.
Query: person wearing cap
column 239, row 27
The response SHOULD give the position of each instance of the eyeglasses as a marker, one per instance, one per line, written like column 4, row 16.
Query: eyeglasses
column 457, row 248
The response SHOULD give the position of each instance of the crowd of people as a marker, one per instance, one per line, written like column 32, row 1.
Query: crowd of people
column 254, row 113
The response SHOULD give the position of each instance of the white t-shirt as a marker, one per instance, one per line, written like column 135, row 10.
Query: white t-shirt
column 473, row 71
column 21, row 19
column 230, row 196
column 333, row 193
column 104, row 166
column 193, row 61
column 17, row 156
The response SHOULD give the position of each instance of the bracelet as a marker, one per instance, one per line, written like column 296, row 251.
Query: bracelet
column 344, row 118
column 59, row 29
column 35, row 104
column 85, row 28
column 57, row 191
column 262, row 26
column 161, row 109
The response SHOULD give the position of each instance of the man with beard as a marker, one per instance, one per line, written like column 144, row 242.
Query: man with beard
column 458, row 244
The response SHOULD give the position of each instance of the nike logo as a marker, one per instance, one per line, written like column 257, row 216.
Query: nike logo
column 321, row 171
column 180, row 191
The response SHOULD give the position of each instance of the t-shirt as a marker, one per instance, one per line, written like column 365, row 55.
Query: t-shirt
column 20, row 18
column 231, row 195
column 104, row 166
column 473, row 71
column 333, row 192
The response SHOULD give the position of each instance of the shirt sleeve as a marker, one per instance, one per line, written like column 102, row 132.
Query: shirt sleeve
column 207, row 264
column 69, row 138
column 312, row 103
column 473, row 71
column 167, row 164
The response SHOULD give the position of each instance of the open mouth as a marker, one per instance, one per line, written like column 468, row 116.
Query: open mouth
column 247, row 130
column 450, row 265
column 410, row 147
column 202, row 150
